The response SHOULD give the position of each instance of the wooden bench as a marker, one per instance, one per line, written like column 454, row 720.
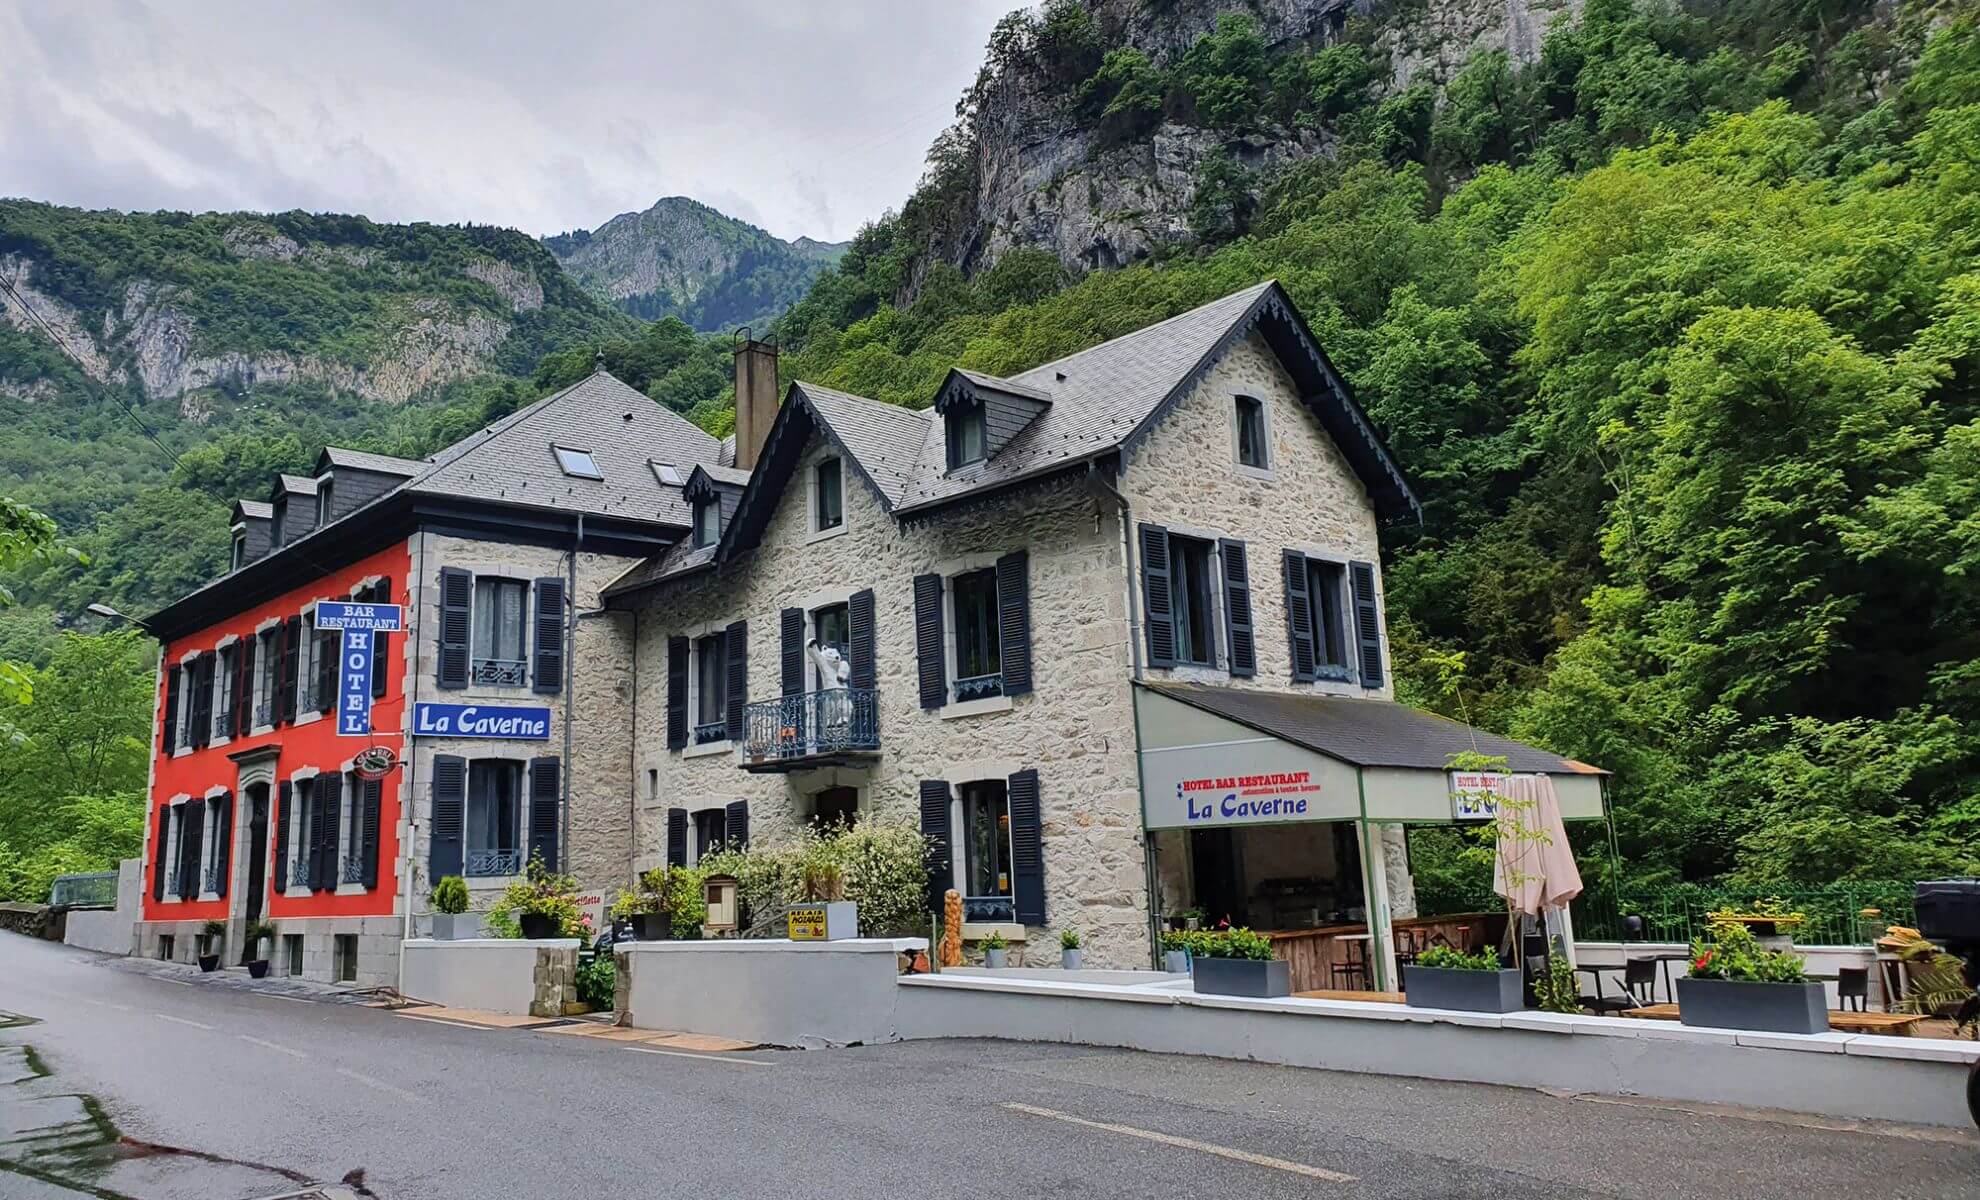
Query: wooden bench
column 1894, row 1024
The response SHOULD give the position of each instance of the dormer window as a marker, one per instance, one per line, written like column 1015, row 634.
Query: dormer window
column 278, row 521
column 965, row 436
column 324, row 492
column 238, row 558
column 578, row 463
column 831, row 505
column 667, row 473
column 1251, row 433
column 707, row 522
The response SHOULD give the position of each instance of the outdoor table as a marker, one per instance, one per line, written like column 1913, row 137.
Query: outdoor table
column 1663, row 962
column 1843, row 1021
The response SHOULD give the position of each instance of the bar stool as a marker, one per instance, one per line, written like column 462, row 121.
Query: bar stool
column 1352, row 974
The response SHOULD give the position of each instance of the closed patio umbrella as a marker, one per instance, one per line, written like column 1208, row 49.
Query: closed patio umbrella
column 1535, row 868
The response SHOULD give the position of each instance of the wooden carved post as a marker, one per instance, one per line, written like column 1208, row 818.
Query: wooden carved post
column 952, row 923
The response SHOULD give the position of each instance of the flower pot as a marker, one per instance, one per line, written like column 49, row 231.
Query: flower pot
column 1260, row 977
column 1738, row 1004
column 455, row 927
column 994, row 958
column 1175, row 962
column 1071, row 959
column 652, row 927
column 258, row 968
column 538, row 927
column 1465, row 991
column 209, row 963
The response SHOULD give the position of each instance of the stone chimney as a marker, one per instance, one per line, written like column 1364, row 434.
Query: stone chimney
column 756, row 398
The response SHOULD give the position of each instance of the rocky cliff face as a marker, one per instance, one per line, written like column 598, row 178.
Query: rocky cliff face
column 682, row 258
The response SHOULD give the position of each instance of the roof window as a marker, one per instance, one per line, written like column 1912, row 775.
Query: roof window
column 668, row 474
column 578, row 463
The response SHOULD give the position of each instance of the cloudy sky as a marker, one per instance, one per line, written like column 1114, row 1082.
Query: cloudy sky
column 802, row 116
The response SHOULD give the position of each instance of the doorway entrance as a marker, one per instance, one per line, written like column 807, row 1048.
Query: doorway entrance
column 257, row 863
column 835, row 806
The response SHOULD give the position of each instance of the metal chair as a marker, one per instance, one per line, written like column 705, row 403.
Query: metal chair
column 1853, row 983
column 1410, row 944
column 1639, row 988
column 1352, row 974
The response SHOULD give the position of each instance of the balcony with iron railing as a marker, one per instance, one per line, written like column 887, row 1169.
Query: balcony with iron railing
column 353, row 870
column 811, row 729
column 482, row 864
column 299, row 873
column 498, row 672
column 214, row 879
column 93, row 889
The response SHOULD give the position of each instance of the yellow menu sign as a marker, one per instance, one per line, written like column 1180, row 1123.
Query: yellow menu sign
column 806, row 922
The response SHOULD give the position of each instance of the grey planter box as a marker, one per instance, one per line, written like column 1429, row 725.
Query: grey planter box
column 1175, row 962
column 1465, row 991
column 1261, row 978
column 994, row 958
column 1071, row 960
column 1767, row 1007
column 456, row 927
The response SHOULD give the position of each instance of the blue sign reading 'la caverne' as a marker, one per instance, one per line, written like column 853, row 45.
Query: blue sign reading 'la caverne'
column 481, row 721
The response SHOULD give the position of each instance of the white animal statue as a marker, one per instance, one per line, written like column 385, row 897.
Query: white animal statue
column 833, row 670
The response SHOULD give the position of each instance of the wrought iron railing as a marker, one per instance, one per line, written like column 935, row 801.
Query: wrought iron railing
column 482, row 863
column 498, row 672
column 712, row 732
column 96, row 889
column 353, row 871
column 171, row 882
column 1842, row 914
column 989, row 908
column 215, row 876
column 980, row 687
column 812, row 723
column 264, row 714
column 223, row 721
column 299, row 872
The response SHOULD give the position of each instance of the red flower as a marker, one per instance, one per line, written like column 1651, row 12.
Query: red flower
column 1702, row 961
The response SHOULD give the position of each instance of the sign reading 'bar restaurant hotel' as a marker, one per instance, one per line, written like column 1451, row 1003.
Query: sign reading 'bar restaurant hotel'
column 515, row 723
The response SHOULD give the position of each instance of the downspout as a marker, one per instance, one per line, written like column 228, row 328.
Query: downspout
column 1150, row 870
column 632, row 764
column 570, row 684
column 1098, row 482
column 409, row 804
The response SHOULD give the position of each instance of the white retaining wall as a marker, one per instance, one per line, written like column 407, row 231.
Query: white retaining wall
column 774, row 991
column 497, row 975
column 111, row 930
column 1822, row 960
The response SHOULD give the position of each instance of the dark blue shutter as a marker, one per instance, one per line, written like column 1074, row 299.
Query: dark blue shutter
column 381, row 593
column 244, row 687
column 544, row 794
column 1157, row 602
column 456, row 608
column 328, row 651
column 859, row 615
column 327, row 803
column 928, row 640
column 223, row 855
column 1237, row 608
column 735, row 645
column 284, row 813
column 677, row 686
column 199, row 710
column 1299, row 617
column 677, row 835
column 291, row 647
column 791, row 624
column 161, row 833
column 1367, row 622
column 549, row 635
column 735, row 825
column 1014, row 622
column 171, row 734
column 935, row 834
column 372, row 796
column 1027, row 848
column 192, row 817
column 445, row 850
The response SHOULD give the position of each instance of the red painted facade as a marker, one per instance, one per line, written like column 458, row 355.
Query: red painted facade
column 313, row 743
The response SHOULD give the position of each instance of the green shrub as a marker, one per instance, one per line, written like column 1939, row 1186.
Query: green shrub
column 1556, row 988
column 596, row 980
column 542, row 892
column 1219, row 943
column 1069, row 939
column 1450, row 958
column 1734, row 953
column 994, row 942
column 884, row 868
column 450, row 895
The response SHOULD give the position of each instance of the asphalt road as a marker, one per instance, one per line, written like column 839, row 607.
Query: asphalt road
column 221, row 1092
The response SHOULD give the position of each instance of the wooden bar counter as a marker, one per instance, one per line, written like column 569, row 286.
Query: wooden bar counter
column 1314, row 953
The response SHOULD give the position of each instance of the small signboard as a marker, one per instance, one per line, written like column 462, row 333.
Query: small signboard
column 505, row 722
column 353, row 614
column 823, row 922
column 354, row 667
column 1475, row 794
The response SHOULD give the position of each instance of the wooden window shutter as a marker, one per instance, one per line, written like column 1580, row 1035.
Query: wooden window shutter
column 323, row 691
column 1157, row 602
column 735, row 647
column 677, row 835
column 171, row 734
column 327, row 797
column 1299, row 618
column 373, row 798
column 291, row 645
column 244, row 688
column 199, row 713
column 791, row 630
column 545, row 796
column 445, row 847
column 1014, row 621
column 456, row 606
column 735, row 825
column 1237, row 608
column 192, row 817
column 284, row 813
column 1027, row 848
column 223, row 842
column 161, row 832
column 928, row 650
column 381, row 593
column 549, row 635
column 936, row 834
column 865, row 672
column 1367, row 622
column 677, row 687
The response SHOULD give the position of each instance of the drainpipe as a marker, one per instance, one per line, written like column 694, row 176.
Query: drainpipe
column 1107, row 491
column 632, row 765
column 1150, row 872
column 409, row 795
column 570, row 685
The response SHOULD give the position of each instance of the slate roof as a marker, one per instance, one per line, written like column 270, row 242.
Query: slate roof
column 1365, row 733
column 726, row 476
column 254, row 510
column 365, row 460
column 885, row 440
column 301, row 485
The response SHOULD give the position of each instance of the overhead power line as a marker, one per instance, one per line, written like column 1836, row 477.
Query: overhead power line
column 62, row 344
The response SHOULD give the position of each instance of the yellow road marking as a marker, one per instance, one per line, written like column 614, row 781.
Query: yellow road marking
column 1183, row 1143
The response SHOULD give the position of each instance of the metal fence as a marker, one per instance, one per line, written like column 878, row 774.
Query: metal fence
column 97, row 889
column 1842, row 914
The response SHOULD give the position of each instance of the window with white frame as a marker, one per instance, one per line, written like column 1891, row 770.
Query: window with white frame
column 326, row 504
column 494, row 817
column 984, row 865
column 707, row 522
column 965, row 436
column 267, row 671
column 577, row 463
column 711, row 688
column 1251, row 437
column 237, row 555
column 1326, row 595
column 319, row 678
column 175, row 829
column 226, row 677
column 499, row 605
column 350, row 830
column 1192, row 588
column 209, row 848
column 829, row 501
column 711, row 829
column 302, row 806
column 831, row 625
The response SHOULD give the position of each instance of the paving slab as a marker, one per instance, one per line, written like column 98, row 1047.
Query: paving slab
column 470, row 1016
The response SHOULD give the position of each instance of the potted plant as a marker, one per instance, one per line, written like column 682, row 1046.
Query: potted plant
column 1236, row 962
column 211, row 935
column 1736, row 983
column 451, row 919
column 1446, row 977
column 993, row 950
column 544, row 905
column 645, row 907
column 258, row 935
column 1175, row 952
column 1070, row 956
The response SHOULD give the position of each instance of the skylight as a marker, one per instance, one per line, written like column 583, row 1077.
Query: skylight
column 578, row 463
column 668, row 474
